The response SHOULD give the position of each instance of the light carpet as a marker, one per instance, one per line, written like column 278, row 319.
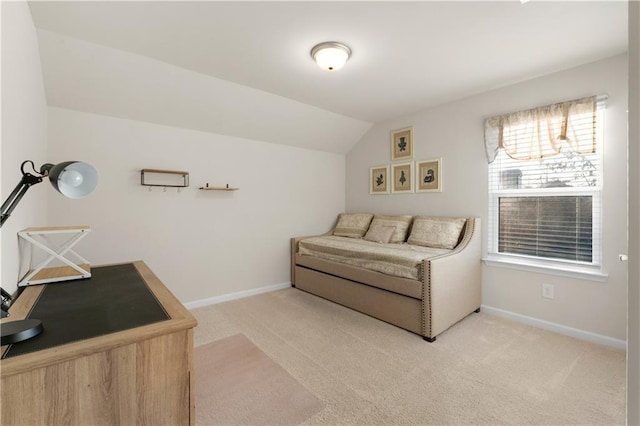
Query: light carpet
column 483, row 370
column 237, row 383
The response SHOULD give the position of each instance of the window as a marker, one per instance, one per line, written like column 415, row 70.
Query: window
column 545, row 184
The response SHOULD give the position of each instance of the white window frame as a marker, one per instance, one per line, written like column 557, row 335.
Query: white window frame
column 583, row 270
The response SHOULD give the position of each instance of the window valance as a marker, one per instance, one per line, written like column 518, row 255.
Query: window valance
column 544, row 131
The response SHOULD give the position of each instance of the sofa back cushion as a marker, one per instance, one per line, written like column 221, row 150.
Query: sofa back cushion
column 353, row 225
column 437, row 232
column 401, row 223
column 379, row 233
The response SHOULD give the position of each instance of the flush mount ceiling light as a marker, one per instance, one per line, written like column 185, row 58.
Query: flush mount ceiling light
column 330, row 55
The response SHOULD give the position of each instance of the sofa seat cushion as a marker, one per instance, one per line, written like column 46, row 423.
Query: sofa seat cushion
column 400, row 260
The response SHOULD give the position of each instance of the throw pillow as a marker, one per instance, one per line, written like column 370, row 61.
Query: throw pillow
column 380, row 233
column 353, row 225
column 437, row 232
column 401, row 223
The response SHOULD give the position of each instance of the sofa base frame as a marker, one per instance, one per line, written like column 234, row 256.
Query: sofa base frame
column 396, row 309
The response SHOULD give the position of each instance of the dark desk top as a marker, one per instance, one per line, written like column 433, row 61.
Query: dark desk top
column 115, row 298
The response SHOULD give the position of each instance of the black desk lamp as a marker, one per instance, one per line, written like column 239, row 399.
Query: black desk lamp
column 73, row 179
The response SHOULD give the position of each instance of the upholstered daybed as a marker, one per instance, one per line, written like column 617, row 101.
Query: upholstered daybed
column 419, row 273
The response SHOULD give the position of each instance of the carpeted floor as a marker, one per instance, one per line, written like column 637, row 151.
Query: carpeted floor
column 484, row 370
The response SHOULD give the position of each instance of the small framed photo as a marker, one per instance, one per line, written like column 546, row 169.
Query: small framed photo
column 429, row 175
column 402, row 144
column 379, row 180
column 402, row 175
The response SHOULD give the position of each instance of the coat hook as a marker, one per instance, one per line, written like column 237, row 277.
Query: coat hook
column 165, row 189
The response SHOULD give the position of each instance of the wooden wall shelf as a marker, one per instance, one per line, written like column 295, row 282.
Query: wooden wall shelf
column 145, row 172
column 219, row 188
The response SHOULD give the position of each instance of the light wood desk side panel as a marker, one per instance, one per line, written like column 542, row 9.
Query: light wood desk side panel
column 163, row 390
column 14, row 389
column 106, row 380
column 146, row 383
column 192, row 380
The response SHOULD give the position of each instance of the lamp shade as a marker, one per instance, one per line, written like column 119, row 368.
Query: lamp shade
column 73, row 179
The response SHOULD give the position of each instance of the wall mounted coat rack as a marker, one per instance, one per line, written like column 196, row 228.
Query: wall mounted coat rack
column 164, row 178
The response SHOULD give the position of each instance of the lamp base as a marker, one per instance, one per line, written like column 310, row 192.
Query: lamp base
column 19, row 330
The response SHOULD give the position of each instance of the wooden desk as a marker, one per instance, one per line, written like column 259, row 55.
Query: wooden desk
column 138, row 376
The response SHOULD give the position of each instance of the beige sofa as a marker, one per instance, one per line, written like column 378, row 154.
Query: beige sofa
column 445, row 290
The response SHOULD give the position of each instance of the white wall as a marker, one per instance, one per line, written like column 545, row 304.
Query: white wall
column 455, row 132
column 201, row 244
column 85, row 76
column 24, row 129
column 633, row 353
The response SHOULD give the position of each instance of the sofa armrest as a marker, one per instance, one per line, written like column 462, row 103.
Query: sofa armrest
column 452, row 282
column 294, row 250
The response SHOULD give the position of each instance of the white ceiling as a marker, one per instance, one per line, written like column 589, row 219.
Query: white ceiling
column 407, row 56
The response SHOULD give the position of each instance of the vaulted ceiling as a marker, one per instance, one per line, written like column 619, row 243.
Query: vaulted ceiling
column 244, row 69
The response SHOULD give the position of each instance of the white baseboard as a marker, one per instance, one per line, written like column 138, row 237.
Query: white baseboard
column 558, row 328
column 234, row 296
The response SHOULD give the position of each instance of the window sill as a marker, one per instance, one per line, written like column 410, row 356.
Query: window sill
column 583, row 273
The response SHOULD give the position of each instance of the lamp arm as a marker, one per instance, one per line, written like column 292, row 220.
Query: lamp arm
column 6, row 301
column 27, row 181
column 19, row 330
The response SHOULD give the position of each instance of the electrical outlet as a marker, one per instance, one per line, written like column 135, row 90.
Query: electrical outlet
column 547, row 291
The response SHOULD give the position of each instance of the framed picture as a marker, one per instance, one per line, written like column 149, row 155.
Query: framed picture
column 402, row 175
column 429, row 175
column 402, row 144
column 379, row 180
